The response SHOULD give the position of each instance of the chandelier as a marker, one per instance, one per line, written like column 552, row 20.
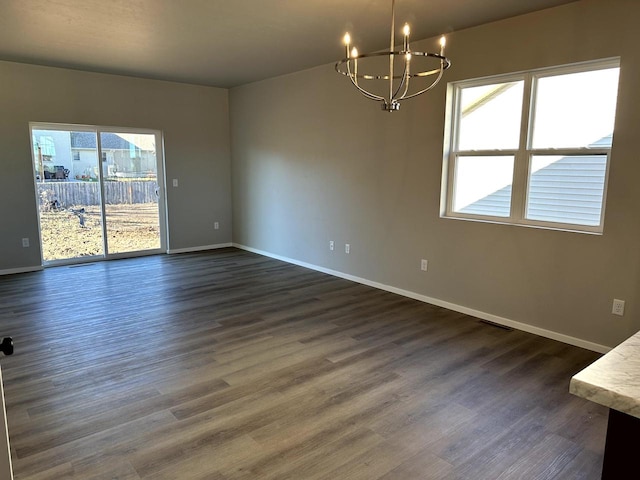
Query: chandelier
column 398, row 73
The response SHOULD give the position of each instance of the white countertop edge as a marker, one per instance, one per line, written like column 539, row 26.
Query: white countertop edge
column 607, row 398
column 614, row 379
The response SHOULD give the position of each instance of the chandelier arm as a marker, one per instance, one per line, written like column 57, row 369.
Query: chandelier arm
column 435, row 82
column 403, row 83
column 408, row 75
column 362, row 90
column 406, row 88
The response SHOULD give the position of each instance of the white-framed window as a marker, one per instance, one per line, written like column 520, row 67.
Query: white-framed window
column 532, row 148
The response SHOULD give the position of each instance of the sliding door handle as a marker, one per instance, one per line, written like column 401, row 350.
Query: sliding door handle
column 6, row 346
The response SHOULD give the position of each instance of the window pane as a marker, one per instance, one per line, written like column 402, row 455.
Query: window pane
column 576, row 110
column 482, row 185
column 489, row 116
column 567, row 189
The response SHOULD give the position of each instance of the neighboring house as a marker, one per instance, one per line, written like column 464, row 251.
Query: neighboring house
column 123, row 155
column 577, row 184
column 76, row 153
column 52, row 152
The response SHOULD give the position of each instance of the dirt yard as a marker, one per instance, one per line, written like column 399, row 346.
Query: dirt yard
column 70, row 232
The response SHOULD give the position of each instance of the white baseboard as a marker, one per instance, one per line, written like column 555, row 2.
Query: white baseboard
column 11, row 271
column 578, row 342
column 199, row 249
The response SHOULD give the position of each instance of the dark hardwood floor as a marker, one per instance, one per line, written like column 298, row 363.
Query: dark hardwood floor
column 227, row 365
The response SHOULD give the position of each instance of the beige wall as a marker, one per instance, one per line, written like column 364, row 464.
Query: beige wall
column 313, row 161
column 194, row 121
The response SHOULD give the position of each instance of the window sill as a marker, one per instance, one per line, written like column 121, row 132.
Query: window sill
column 498, row 221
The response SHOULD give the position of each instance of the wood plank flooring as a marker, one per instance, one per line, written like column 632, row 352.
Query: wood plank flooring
column 226, row 365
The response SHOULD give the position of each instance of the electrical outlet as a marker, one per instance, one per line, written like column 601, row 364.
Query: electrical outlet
column 332, row 245
column 175, row 182
column 25, row 242
column 347, row 248
column 216, row 225
column 424, row 264
column 618, row 307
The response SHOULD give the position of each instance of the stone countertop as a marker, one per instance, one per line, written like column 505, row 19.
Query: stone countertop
column 614, row 379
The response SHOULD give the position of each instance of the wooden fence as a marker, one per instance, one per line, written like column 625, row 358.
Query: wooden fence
column 88, row 193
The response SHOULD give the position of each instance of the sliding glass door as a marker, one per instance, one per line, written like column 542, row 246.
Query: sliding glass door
column 100, row 192
column 131, row 191
column 68, row 193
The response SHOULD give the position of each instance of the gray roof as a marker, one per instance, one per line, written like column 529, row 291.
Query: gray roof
column 109, row 141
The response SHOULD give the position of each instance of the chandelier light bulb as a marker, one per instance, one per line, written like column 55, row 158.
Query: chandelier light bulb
column 354, row 52
column 405, row 44
column 347, row 42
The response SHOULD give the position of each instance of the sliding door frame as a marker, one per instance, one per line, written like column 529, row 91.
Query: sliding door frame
column 160, row 180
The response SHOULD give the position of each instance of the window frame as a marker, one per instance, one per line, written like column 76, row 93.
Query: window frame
column 525, row 152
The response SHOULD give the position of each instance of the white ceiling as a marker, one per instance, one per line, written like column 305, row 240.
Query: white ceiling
column 222, row 43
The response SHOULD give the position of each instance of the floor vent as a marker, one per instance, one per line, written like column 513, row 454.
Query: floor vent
column 497, row 325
